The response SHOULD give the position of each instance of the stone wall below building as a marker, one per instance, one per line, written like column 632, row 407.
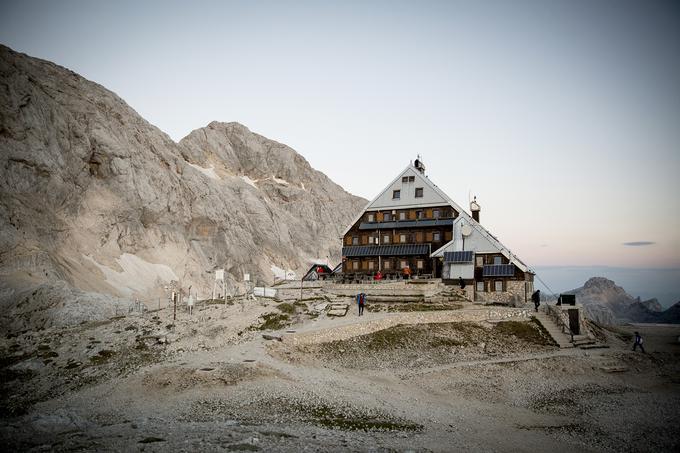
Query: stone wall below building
column 514, row 295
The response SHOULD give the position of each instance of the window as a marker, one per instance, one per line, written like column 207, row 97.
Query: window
column 387, row 217
column 403, row 264
column 355, row 265
column 371, row 218
column 404, row 179
column 497, row 260
column 402, row 238
column 411, row 178
column 437, row 236
column 480, row 260
column 402, row 215
column 370, row 239
column 419, row 264
column 480, row 287
column 419, row 214
column 355, row 240
column 419, row 192
column 386, row 239
column 387, row 265
column 396, row 194
column 371, row 264
column 498, row 286
column 435, row 213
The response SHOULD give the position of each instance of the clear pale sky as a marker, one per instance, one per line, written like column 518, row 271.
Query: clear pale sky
column 562, row 117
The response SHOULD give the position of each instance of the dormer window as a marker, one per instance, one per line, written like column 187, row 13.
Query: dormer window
column 396, row 194
column 419, row 192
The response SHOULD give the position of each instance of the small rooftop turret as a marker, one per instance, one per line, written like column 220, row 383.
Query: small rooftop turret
column 474, row 209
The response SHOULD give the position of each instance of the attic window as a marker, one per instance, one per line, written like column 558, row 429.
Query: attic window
column 419, row 192
column 411, row 178
column 404, row 179
column 497, row 260
column 396, row 194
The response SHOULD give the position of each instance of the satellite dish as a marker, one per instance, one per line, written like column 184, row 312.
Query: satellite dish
column 466, row 230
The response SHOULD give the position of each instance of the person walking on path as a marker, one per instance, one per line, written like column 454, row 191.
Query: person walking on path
column 461, row 282
column 536, row 299
column 638, row 342
column 361, row 302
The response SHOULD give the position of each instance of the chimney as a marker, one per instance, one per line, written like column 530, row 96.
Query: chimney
column 474, row 208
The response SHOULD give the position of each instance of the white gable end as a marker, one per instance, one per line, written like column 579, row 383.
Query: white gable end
column 407, row 193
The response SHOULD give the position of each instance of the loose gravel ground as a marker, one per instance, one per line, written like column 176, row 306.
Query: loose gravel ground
column 390, row 381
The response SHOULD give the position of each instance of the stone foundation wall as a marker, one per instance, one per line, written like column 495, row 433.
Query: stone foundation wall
column 514, row 294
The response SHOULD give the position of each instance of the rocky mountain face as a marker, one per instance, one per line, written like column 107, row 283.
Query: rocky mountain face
column 96, row 201
column 609, row 304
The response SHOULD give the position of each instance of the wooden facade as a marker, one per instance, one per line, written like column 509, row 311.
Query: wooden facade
column 430, row 226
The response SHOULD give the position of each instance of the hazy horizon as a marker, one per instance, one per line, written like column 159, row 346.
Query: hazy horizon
column 562, row 117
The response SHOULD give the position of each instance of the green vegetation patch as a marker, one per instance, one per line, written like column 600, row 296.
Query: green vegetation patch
column 274, row 321
column 102, row 357
column 286, row 308
column 350, row 419
column 531, row 332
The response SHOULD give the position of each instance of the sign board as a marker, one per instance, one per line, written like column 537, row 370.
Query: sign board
column 246, row 277
column 219, row 274
column 261, row 291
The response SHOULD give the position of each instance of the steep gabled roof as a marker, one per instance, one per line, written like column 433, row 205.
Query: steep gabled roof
column 437, row 199
column 484, row 233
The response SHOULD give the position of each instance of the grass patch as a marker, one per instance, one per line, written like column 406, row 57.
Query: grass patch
column 286, row 308
column 274, row 321
column 103, row 357
column 348, row 419
column 531, row 332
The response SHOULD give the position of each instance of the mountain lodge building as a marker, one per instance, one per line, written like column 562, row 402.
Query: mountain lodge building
column 413, row 228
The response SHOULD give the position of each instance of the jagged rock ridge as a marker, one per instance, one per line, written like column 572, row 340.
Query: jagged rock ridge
column 96, row 197
column 609, row 304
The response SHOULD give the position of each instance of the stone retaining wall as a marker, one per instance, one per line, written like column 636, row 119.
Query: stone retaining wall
column 514, row 295
column 366, row 327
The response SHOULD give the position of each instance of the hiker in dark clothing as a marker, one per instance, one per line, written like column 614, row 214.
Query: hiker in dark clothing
column 638, row 342
column 461, row 282
column 361, row 302
column 536, row 299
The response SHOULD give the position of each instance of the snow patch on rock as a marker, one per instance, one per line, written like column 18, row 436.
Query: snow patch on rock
column 281, row 181
column 138, row 275
column 209, row 172
column 282, row 274
column 249, row 181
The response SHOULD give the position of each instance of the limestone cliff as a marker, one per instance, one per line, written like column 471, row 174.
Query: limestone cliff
column 96, row 197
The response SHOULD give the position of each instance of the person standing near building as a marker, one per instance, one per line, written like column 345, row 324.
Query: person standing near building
column 461, row 282
column 638, row 342
column 362, row 303
column 536, row 299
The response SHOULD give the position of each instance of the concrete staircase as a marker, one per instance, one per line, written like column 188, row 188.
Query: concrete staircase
column 562, row 339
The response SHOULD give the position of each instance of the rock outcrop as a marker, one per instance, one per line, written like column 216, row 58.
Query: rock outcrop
column 609, row 304
column 97, row 198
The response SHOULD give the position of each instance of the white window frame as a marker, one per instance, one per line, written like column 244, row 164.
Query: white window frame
column 355, row 240
column 402, row 215
column 422, row 192
column 396, row 194
column 387, row 264
column 435, row 213
column 436, row 236
column 386, row 238
column 402, row 239
column 403, row 264
column 371, row 218
column 497, row 260
column 479, row 287
column 495, row 286
column 355, row 265
column 479, row 260
column 371, row 265
column 420, row 264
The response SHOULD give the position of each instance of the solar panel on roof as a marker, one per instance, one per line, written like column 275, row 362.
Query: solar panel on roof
column 499, row 270
column 458, row 257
